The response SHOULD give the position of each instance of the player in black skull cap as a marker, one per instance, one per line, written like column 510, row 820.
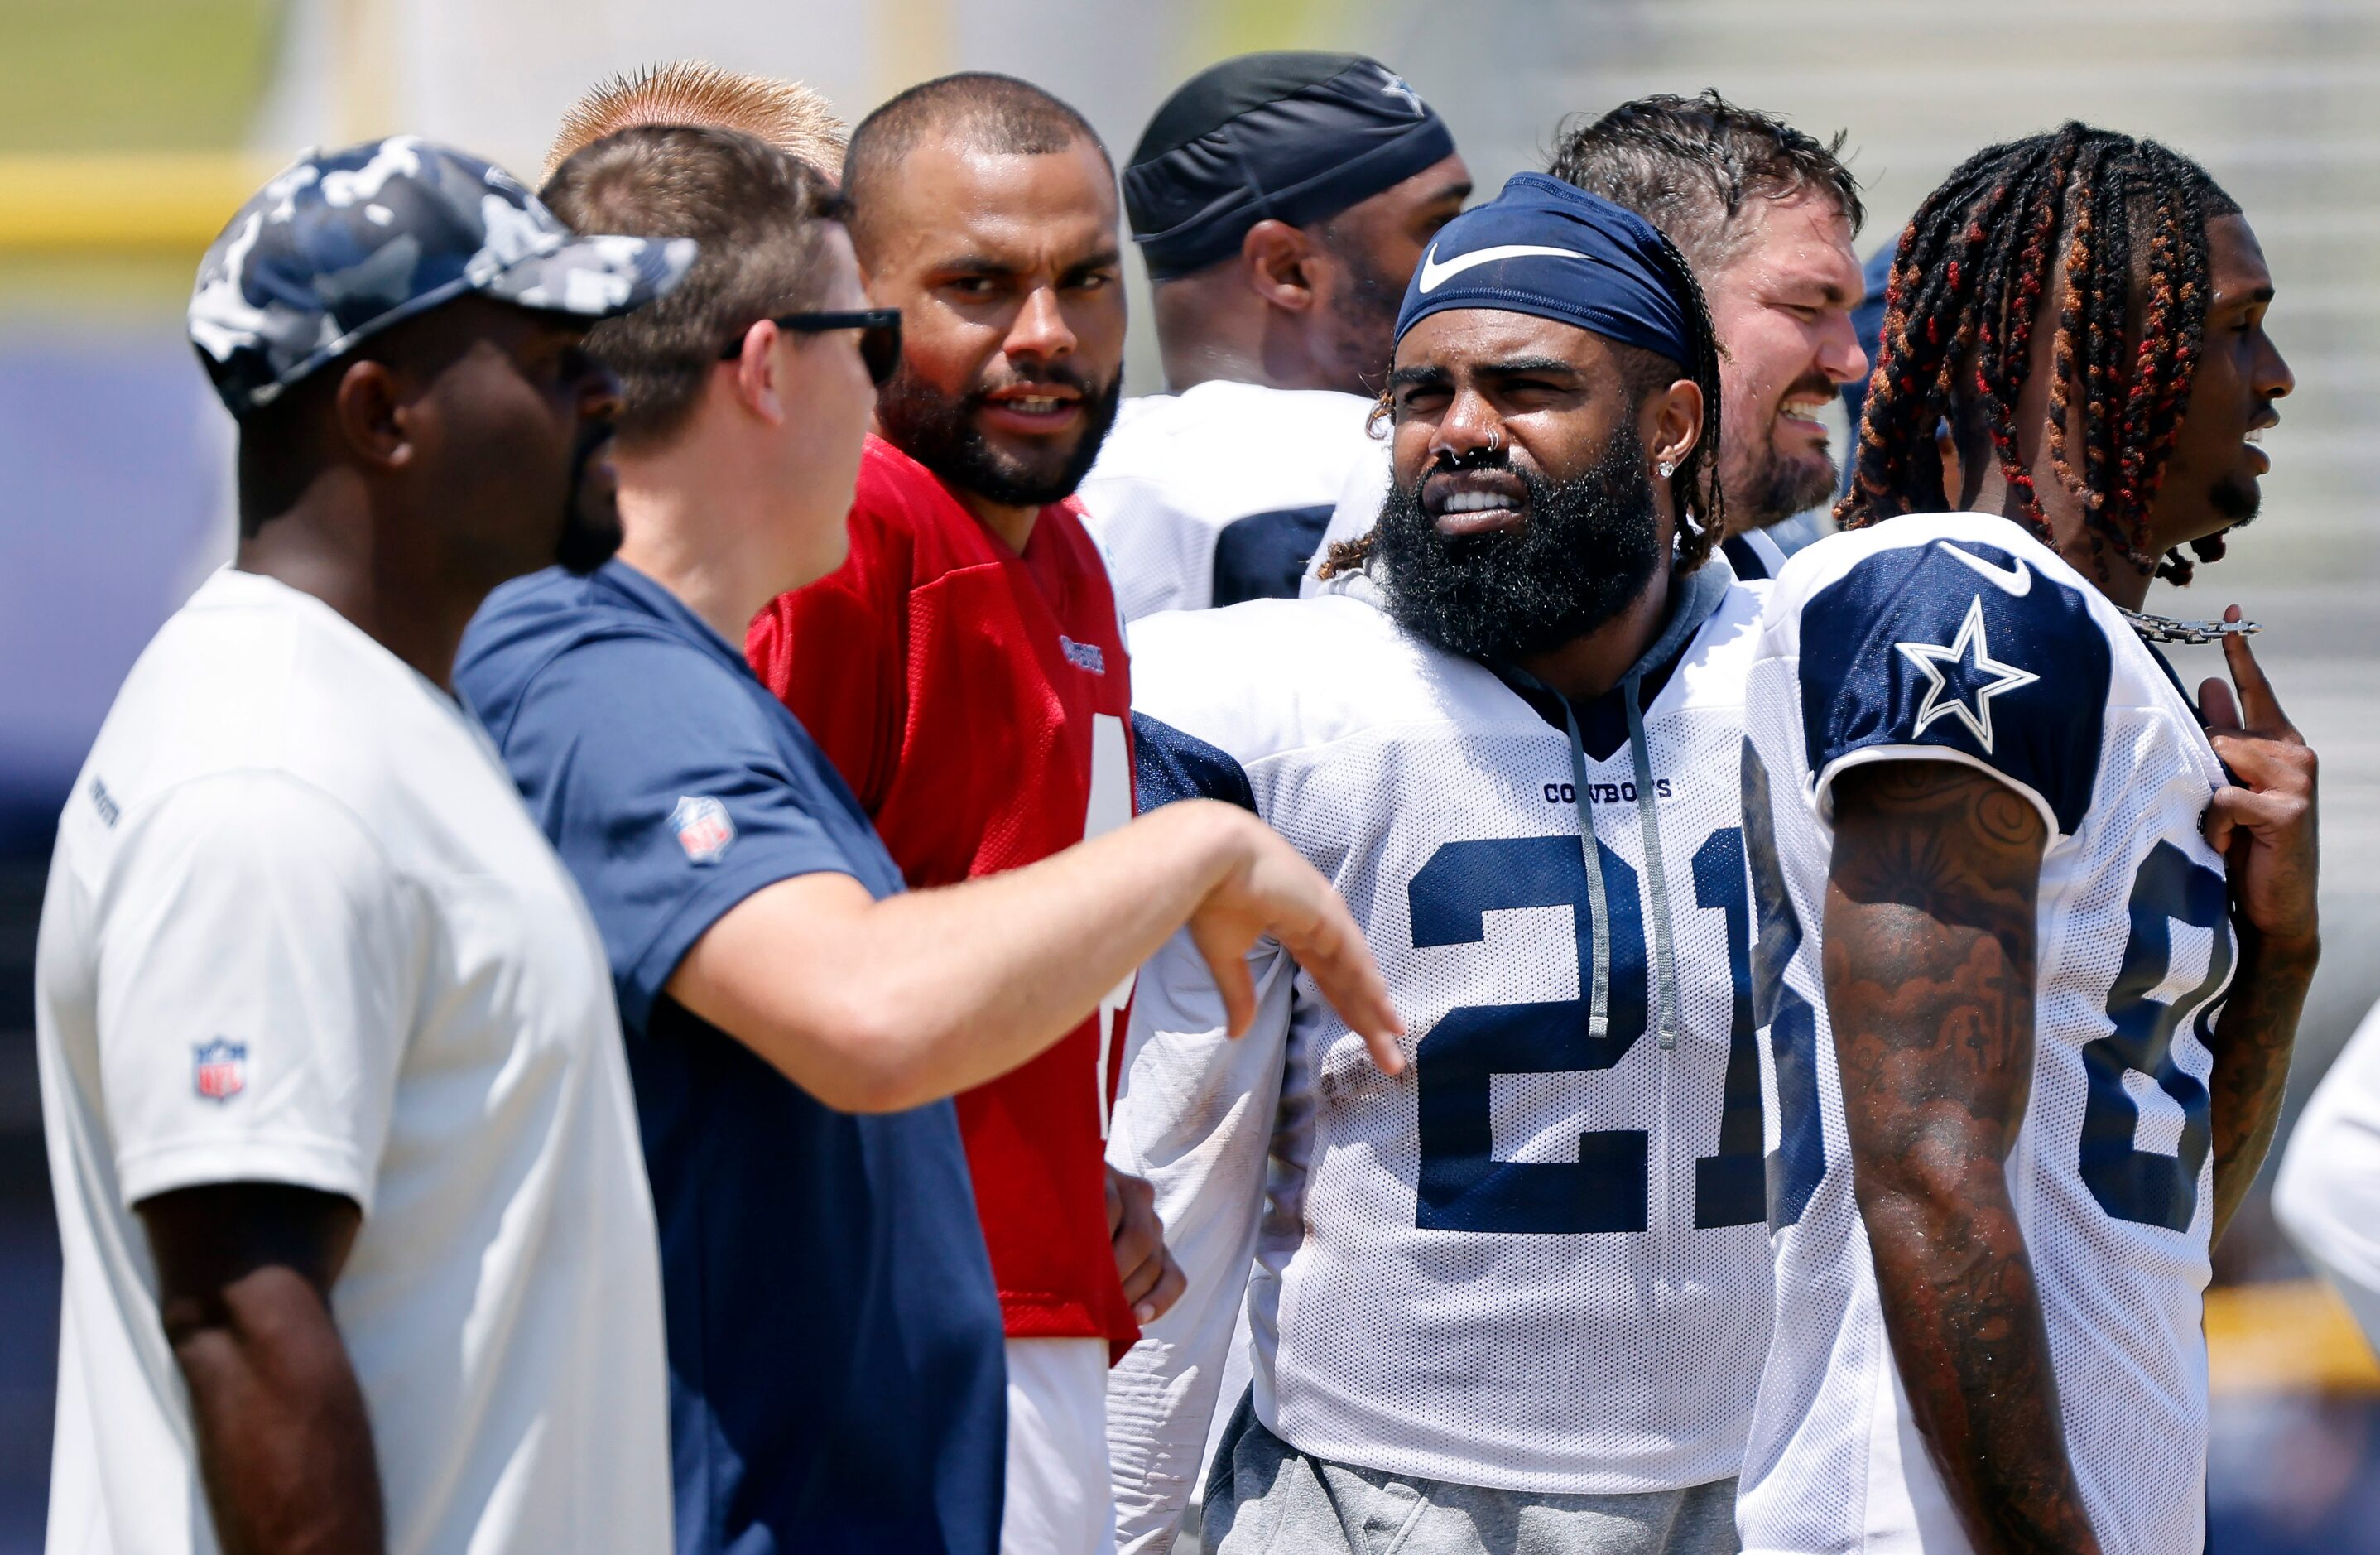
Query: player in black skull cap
column 1281, row 201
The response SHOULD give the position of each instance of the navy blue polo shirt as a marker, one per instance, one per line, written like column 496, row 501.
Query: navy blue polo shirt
column 836, row 1373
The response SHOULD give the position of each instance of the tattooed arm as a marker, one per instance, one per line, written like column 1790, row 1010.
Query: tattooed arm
column 2253, row 1036
column 2263, row 825
column 1929, row 949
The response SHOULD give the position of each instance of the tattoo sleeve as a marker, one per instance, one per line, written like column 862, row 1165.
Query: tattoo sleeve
column 2253, row 1036
column 1929, row 956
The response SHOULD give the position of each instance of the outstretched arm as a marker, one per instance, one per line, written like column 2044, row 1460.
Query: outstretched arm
column 875, row 1006
column 2264, row 827
column 1929, row 956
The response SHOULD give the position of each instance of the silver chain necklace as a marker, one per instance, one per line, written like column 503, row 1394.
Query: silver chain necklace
column 2165, row 628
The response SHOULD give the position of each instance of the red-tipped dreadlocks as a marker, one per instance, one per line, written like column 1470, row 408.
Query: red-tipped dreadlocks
column 1973, row 268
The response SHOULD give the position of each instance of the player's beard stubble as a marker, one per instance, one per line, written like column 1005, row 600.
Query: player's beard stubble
column 1766, row 485
column 1585, row 554
column 939, row 431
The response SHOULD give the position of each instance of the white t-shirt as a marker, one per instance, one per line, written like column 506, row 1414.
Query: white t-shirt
column 1220, row 492
column 2327, row 1195
column 300, row 929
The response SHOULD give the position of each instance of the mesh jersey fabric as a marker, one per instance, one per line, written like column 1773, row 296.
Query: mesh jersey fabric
column 1354, row 510
column 1220, row 493
column 1533, row 1262
column 977, row 701
column 1960, row 637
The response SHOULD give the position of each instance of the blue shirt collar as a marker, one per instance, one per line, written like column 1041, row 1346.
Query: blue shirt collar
column 649, row 597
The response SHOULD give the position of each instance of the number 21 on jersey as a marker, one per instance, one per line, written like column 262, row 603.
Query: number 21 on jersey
column 1462, row 1186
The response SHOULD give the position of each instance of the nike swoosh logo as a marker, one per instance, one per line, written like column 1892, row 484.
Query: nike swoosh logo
column 2016, row 581
column 1434, row 275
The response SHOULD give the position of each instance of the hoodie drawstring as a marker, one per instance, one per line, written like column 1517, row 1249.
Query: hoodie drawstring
column 1665, row 961
column 1599, row 1009
column 1697, row 595
column 1648, row 813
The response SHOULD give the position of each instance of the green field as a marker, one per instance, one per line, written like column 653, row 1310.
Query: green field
column 132, row 75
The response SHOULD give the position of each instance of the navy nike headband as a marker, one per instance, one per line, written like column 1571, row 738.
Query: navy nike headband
column 1292, row 137
column 1544, row 248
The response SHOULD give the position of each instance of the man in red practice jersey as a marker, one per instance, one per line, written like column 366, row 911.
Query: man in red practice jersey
column 965, row 671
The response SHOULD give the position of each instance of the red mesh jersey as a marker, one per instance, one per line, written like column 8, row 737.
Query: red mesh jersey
column 979, row 704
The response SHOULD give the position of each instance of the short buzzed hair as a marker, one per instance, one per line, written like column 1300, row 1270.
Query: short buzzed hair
column 759, row 219
column 981, row 109
column 785, row 115
column 1689, row 165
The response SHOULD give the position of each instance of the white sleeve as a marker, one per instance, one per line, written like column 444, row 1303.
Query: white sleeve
column 2327, row 1194
column 258, row 962
column 1155, row 553
column 1195, row 1116
column 1358, row 510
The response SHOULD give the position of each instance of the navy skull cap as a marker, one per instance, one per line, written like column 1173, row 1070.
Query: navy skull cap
column 346, row 243
column 1545, row 247
column 1293, row 136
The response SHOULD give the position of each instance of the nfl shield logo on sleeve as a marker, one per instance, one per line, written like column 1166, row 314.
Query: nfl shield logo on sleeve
column 218, row 1069
column 703, row 828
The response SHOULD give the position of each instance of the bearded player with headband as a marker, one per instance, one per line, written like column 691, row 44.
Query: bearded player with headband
column 1524, row 1287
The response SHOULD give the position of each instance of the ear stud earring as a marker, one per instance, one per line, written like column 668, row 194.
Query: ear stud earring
column 1669, row 469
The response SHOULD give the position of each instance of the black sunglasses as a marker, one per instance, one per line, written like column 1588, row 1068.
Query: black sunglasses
column 879, row 336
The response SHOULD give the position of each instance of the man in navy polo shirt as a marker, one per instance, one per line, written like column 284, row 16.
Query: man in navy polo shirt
column 835, row 1345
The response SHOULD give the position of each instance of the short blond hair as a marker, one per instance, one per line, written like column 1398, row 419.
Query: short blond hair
column 785, row 115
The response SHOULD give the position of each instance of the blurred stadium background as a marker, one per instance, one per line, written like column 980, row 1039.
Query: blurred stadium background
column 129, row 130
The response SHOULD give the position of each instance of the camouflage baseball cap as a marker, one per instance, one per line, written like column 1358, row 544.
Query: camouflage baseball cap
column 347, row 243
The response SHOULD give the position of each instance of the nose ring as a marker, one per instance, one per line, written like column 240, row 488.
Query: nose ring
column 1495, row 440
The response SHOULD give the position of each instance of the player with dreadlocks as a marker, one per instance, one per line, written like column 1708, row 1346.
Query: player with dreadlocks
column 2140, row 225
column 2035, row 929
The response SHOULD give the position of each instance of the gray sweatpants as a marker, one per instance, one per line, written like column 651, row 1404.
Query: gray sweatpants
column 1264, row 1496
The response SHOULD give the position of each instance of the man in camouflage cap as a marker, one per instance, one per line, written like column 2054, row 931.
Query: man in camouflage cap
column 359, row 1252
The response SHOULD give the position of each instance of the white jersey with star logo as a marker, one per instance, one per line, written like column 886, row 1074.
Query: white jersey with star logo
column 1961, row 638
column 1536, row 1261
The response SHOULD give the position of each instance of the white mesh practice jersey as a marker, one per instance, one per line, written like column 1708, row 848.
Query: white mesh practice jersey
column 1537, row 1260
column 1960, row 638
column 1220, row 493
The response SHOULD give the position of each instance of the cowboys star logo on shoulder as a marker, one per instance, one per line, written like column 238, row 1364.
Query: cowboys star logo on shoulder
column 1961, row 670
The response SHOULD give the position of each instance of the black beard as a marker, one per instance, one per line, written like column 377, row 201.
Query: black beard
column 2235, row 500
column 938, row 431
column 1585, row 554
column 591, row 514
